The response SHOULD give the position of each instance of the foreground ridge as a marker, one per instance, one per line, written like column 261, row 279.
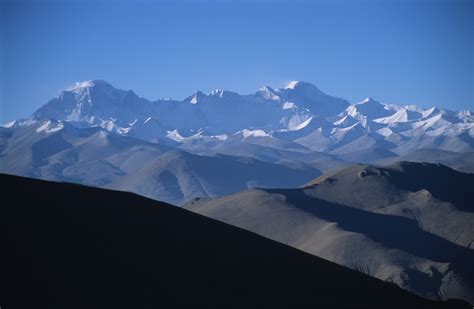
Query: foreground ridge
column 91, row 247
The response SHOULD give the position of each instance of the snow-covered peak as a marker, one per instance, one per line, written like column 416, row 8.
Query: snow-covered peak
column 266, row 89
column 351, row 111
column 368, row 108
column 292, row 84
column 80, row 86
column 364, row 110
column 196, row 97
column 402, row 115
column 295, row 111
column 268, row 93
column 368, row 100
column 295, row 84
column 217, row 92
column 222, row 94
column 308, row 96
column 430, row 112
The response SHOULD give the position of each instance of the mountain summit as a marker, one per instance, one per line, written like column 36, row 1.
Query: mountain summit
column 299, row 113
column 93, row 102
column 79, row 86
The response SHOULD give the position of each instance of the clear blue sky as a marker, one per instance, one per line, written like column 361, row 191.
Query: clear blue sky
column 405, row 52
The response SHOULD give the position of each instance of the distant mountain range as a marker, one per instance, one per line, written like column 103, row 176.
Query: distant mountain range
column 299, row 116
column 407, row 223
column 93, row 156
column 98, row 135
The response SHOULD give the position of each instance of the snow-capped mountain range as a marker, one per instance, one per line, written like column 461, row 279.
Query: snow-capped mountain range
column 300, row 113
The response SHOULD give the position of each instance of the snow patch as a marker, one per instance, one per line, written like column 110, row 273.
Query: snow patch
column 217, row 92
column 78, row 86
column 8, row 125
column 268, row 93
column 428, row 112
column 303, row 124
column 175, row 136
column 465, row 116
column 337, row 131
column 255, row 133
column 292, row 84
column 124, row 131
column 384, row 132
column 402, row 115
column 352, row 111
column 50, row 127
column 340, row 121
column 288, row 105
column 220, row 137
column 193, row 100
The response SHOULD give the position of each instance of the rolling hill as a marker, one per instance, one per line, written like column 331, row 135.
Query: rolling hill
column 70, row 246
column 409, row 223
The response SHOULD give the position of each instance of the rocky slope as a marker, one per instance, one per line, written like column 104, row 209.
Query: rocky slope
column 408, row 223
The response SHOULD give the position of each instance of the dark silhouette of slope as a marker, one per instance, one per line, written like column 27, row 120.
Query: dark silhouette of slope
column 69, row 246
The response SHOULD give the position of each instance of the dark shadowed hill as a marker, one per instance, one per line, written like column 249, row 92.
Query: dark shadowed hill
column 69, row 246
column 408, row 223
